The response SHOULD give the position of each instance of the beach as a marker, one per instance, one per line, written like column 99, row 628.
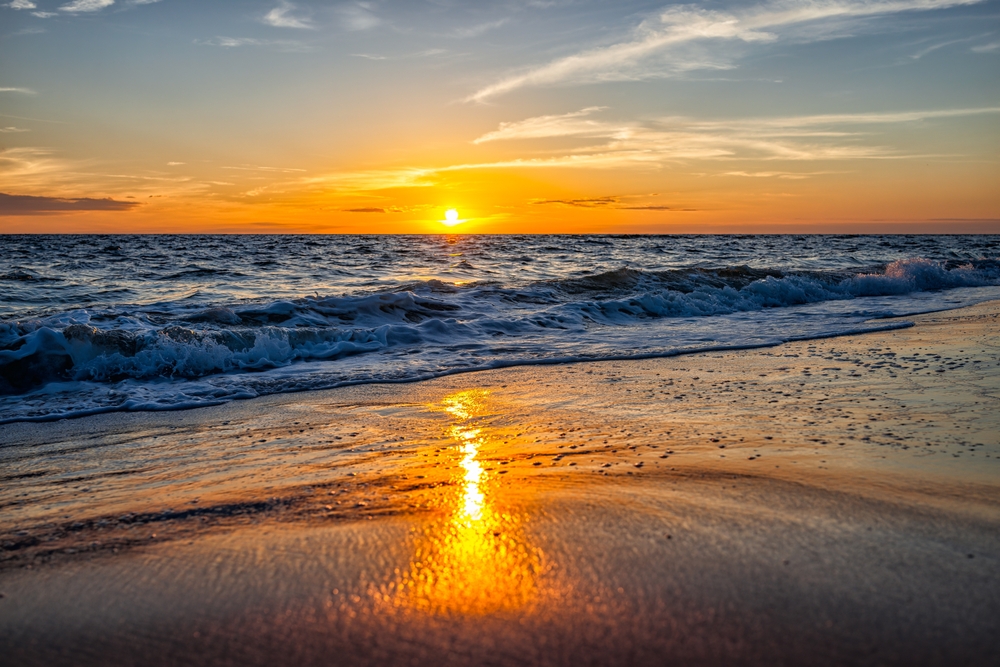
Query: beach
column 829, row 501
column 499, row 334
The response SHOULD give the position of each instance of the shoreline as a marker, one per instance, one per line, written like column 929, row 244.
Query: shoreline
column 832, row 495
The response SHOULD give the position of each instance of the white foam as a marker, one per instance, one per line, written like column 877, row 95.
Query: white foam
column 76, row 363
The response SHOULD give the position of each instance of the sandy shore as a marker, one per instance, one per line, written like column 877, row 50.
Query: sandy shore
column 824, row 502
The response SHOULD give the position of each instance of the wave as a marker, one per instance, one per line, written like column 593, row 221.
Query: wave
column 431, row 327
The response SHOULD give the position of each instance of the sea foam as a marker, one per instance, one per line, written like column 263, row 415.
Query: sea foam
column 176, row 353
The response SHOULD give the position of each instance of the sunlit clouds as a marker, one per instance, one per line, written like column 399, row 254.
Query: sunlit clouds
column 607, row 144
column 86, row 5
column 302, row 115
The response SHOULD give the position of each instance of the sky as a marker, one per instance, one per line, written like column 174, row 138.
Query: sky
column 524, row 116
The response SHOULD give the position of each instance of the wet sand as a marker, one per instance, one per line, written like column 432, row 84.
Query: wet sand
column 823, row 502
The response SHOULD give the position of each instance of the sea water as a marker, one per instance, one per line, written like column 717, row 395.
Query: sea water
column 101, row 323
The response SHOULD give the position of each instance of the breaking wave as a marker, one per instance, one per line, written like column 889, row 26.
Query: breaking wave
column 84, row 361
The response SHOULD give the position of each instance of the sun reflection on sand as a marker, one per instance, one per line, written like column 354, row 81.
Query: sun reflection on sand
column 476, row 560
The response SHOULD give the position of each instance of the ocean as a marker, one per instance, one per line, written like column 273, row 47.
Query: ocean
column 93, row 324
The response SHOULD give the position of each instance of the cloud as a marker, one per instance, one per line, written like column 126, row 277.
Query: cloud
column 614, row 203
column 426, row 53
column 370, row 209
column 17, row 164
column 254, row 167
column 479, row 29
column 287, row 45
column 569, row 124
column 43, row 15
column 29, row 205
column 23, row 91
column 812, row 137
column 279, row 17
column 376, row 179
column 654, row 143
column 78, row 6
column 673, row 41
column 12, row 129
column 940, row 45
column 174, row 164
column 596, row 202
column 992, row 47
column 768, row 174
column 358, row 16
column 21, row 4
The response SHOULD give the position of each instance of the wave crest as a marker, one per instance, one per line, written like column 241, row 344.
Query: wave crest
column 441, row 326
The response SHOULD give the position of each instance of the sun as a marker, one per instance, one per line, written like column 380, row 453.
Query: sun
column 451, row 217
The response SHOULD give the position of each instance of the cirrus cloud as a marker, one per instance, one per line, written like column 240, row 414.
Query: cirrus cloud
column 673, row 41
column 79, row 6
column 280, row 17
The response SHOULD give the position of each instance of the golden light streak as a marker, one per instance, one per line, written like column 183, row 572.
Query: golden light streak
column 476, row 560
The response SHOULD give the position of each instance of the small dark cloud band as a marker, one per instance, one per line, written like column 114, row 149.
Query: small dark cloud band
column 29, row 205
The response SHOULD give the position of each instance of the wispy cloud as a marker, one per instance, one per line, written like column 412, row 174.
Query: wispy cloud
column 21, row 4
column 359, row 16
column 288, row 45
column 280, row 17
column 426, row 53
column 654, row 143
column 33, row 168
column 614, row 202
column 78, row 6
column 592, row 202
column 574, row 123
column 480, row 28
column 376, row 179
column 43, row 171
column 659, row 46
column 790, row 175
column 254, row 167
column 12, row 129
column 940, row 45
column 992, row 47
column 23, row 91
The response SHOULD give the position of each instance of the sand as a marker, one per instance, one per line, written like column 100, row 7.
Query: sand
column 822, row 502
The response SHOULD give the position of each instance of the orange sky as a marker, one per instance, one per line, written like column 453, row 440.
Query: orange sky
column 782, row 116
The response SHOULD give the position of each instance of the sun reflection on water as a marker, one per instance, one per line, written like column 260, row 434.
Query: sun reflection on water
column 476, row 560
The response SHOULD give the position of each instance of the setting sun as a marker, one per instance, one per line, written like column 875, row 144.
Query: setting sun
column 451, row 217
